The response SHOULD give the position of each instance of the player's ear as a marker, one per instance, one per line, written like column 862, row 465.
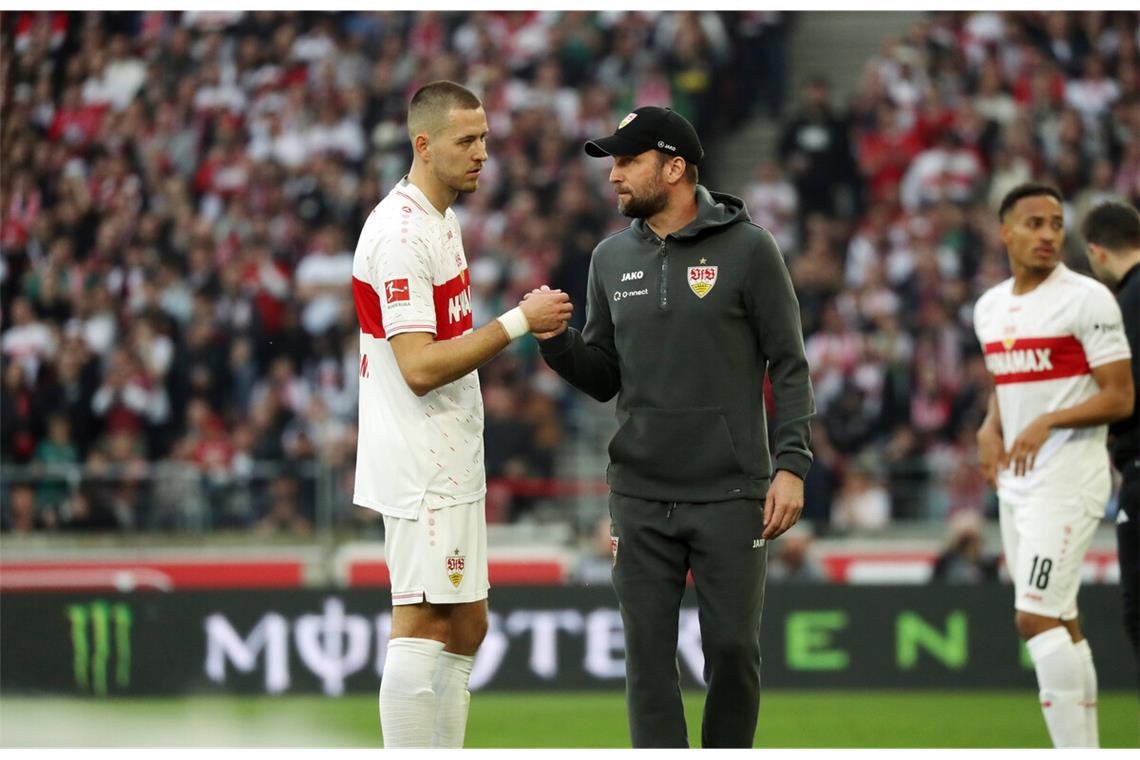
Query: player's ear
column 420, row 145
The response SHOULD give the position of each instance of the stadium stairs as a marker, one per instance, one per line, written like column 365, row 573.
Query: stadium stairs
column 851, row 39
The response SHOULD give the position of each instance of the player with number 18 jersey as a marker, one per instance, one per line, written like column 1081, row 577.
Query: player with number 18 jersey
column 1041, row 348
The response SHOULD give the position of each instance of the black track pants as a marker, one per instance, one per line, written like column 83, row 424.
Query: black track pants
column 658, row 543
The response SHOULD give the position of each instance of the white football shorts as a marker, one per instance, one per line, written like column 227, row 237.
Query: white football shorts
column 1045, row 544
column 441, row 557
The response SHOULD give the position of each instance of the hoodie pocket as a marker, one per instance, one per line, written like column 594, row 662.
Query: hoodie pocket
column 681, row 446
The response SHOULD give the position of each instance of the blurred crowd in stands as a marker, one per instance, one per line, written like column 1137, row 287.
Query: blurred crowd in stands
column 887, row 209
column 180, row 195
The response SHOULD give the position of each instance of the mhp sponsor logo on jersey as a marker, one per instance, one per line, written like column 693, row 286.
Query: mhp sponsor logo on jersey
column 627, row 276
column 396, row 291
column 1027, row 360
column 702, row 280
column 100, row 645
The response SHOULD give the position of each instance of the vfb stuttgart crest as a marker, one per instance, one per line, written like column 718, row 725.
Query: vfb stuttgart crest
column 701, row 280
column 455, row 568
column 1010, row 337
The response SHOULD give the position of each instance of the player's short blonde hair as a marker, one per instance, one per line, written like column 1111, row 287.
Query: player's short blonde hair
column 427, row 113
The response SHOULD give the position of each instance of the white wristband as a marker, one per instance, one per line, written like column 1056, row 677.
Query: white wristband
column 515, row 323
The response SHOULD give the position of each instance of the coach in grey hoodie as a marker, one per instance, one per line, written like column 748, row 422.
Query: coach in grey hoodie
column 687, row 310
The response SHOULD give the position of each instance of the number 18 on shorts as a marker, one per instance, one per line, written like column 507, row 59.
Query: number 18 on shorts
column 1044, row 548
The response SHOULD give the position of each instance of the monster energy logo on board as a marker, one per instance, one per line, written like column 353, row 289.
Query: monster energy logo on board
column 95, row 627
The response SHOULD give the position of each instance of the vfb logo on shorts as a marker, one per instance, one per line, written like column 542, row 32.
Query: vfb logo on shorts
column 455, row 564
column 702, row 280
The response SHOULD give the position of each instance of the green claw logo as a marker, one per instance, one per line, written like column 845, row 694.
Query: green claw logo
column 96, row 628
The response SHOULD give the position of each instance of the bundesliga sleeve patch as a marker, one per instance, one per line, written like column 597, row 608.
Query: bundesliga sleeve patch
column 396, row 290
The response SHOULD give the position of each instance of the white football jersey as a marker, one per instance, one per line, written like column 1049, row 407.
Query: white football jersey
column 1040, row 348
column 409, row 274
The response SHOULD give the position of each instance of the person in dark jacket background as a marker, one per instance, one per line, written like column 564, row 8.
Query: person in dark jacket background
column 687, row 311
column 1112, row 238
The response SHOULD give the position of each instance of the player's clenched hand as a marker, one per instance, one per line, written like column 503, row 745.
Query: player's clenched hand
column 557, row 330
column 784, row 503
column 991, row 455
column 547, row 311
column 1023, row 452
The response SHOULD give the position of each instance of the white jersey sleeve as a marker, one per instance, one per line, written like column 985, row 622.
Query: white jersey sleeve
column 1101, row 330
column 403, row 270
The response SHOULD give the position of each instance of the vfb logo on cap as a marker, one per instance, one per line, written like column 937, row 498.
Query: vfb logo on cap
column 628, row 118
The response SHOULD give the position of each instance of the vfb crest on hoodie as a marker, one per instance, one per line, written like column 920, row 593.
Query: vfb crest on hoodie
column 701, row 280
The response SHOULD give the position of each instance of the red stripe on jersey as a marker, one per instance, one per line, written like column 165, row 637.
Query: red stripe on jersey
column 367, row 308
column 1030, row 360
column 453, row 307
column 410, row 198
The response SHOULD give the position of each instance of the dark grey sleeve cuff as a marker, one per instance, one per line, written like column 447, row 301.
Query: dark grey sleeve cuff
column 559, row 344
column 794, row 462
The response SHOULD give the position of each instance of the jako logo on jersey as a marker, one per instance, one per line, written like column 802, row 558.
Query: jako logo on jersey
column 702, row 280
column 632, row 276
column 396, row 290
column 458, row 307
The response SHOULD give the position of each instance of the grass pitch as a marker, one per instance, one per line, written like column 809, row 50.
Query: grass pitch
column 815, row 719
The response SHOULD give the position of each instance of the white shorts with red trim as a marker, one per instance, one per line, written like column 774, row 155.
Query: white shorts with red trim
column 1045, row 543
column 441, row 557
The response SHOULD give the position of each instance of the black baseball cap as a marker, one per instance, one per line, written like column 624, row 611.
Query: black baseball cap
column 650, row 128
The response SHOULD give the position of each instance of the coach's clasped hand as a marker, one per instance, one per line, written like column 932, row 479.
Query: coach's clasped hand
column 539, row 331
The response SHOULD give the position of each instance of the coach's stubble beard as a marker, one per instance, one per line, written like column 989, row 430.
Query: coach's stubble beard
column 645, row 206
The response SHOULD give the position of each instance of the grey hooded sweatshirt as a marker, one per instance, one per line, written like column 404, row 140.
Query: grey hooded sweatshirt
column 683, row 330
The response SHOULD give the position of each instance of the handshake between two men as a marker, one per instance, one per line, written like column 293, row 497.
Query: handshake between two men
column 547, row 311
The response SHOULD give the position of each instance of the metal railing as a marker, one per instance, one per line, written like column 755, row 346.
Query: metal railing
column 282, row 497
column 170, row 496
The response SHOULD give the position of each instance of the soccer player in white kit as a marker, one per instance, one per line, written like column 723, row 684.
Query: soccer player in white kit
column 420, row 448
column 1055, row 346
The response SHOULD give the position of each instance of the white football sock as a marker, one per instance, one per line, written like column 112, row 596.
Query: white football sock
column 452, row 672
column 407, row 704
column 1092, row 726
column 1060, row 675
